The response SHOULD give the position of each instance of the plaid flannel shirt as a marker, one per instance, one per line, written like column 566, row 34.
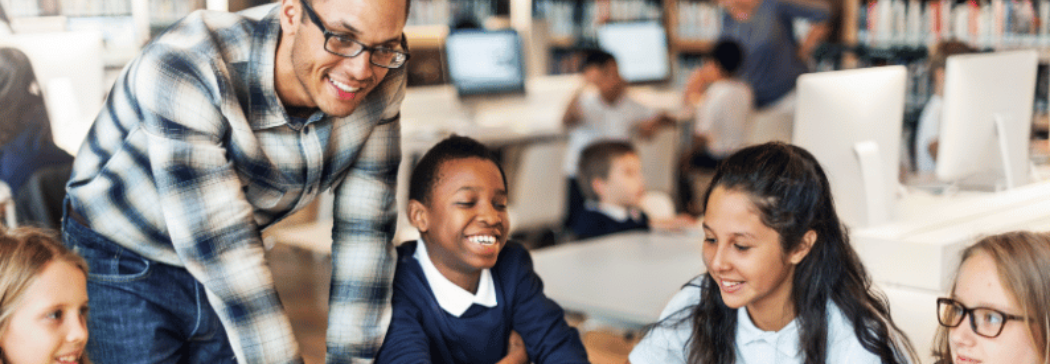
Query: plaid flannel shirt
column 193, row 155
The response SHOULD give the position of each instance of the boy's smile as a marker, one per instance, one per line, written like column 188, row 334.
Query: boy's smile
column 465, row 223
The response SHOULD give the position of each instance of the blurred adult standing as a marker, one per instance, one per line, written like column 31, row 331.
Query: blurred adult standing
column 773, row 58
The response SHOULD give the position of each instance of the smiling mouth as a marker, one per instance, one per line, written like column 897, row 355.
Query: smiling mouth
column 483, row 239
column 346, row 92
column 729, row 286
column 71, row 359
column 963, row 359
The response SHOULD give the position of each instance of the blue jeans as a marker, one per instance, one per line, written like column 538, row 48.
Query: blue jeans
column 143, row 311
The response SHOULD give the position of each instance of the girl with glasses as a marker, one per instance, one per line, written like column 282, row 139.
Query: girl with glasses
column 783, row 283
column 999, row 309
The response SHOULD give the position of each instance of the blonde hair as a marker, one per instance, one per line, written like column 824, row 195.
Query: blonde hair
column 1021, row 259
column 24, row 252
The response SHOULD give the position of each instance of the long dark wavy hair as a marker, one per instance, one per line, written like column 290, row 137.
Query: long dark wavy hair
column 793, row 196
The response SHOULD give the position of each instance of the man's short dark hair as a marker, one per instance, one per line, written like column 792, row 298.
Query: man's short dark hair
column 595, row 162
column 597, row 57
column 728, row 55
column 427, row 172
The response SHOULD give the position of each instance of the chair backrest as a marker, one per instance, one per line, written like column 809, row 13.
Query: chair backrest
column 658, row 205
column 69, row 69
column 659, row 157
column 538, row 191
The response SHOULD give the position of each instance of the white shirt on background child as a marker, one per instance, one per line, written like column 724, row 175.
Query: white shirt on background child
column 724, row 116
column 602, row 121
column 926, row 132
column 667, row 342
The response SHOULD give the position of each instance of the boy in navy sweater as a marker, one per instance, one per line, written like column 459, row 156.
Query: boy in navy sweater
column 611, row 179
column 462, row 291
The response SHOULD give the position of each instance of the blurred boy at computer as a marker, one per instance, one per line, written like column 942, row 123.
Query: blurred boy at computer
column 601, row 110
column 611, row 179
column 462, row 288
column 723, row 106
column 928, row 130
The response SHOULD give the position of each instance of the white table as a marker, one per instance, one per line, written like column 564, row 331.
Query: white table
column 623, row 279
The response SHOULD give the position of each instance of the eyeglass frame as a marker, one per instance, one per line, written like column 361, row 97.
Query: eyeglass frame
column 316, row 19
column 970, row 311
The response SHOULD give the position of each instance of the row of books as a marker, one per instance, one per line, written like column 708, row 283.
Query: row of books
column 166, row 12
column 34, row 8
column 986, row 23
column 429, row 12
column 562, row 21
column 699, row 20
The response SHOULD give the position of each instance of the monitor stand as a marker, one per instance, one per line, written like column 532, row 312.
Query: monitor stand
column 877, row 209
column 998, row 179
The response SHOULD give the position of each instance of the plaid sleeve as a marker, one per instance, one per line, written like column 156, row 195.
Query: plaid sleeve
column 206, row 213
column 362, row 256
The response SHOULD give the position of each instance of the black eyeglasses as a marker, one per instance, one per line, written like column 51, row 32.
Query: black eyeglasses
column 985, row 321
column 345, row 46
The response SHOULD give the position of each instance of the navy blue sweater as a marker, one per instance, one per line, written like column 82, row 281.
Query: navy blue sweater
column 591, row 223
column 422, row 332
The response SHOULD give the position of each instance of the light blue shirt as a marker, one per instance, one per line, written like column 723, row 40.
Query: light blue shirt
column 669, row 343
column 926, row 133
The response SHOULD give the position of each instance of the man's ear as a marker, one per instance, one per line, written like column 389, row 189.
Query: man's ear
column 290, row 15
column 804, row 247
column 418, row 215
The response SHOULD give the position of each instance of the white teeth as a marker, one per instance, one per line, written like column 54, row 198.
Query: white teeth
column 483, row 239
column 731, row 283
column 344, row 87
column 67, row 358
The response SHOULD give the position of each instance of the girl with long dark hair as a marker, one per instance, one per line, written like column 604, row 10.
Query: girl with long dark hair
column 783, row 283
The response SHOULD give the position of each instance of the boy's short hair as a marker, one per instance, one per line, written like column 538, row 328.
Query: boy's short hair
column 939, row 55
column 728, row 55
column 426, row 173
column 597, row 57
column 595, row 162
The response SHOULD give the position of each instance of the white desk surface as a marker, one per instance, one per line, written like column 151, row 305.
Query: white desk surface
column 624, row 279
column 921, row 248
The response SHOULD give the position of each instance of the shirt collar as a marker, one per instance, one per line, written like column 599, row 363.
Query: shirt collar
column 266, row 108
column 785, row 340
column 452, row 298
column 617, row 212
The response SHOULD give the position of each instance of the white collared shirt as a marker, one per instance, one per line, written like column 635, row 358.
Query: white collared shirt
column 615, row 212
column 668, row 343
column 452, row 298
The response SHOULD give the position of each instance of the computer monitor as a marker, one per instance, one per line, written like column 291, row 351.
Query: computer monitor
column 485, row 61
column 987, row 118
column 851, row 121
column 640, row 49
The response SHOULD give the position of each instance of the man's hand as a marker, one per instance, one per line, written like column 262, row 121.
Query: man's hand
column 515, row 351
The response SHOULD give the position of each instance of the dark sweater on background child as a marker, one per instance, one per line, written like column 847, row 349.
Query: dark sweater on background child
column 593, row 222
column 480, row 334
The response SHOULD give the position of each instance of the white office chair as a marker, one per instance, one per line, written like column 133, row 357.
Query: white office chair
column 69, row 69
column 658, row 205
column 7, row 202
column 538, row 191
column 659, row 157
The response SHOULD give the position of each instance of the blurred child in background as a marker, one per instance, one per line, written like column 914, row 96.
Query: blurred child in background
column 602, row 110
